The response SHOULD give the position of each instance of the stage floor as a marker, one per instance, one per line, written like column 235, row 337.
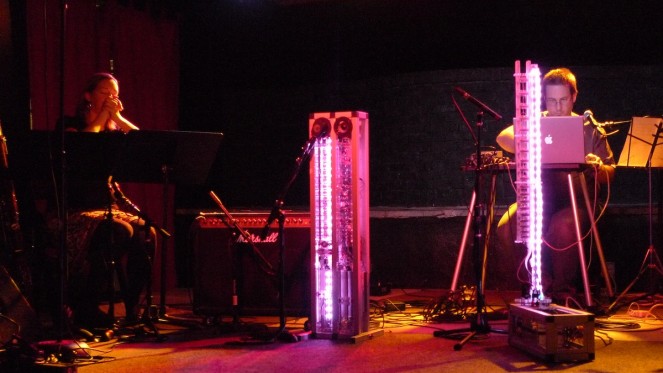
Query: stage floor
column 402, row 327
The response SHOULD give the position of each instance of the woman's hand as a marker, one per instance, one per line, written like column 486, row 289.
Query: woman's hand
column 113, row 105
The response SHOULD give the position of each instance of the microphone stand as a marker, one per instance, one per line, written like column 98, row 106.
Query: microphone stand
column 60, row 345
column 479, row 324
column 63, row 260
column 237, row 231
column 278, row 214
column 149, row 224
column 165, row 170
column 162, row 316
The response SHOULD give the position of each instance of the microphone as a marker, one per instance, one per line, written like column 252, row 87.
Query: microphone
column 320, row 128
column 117, row 193
column 589, row 116
column 478, row 103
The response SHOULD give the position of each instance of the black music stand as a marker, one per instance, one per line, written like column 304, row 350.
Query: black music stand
column 641, row 152
column 90, row 157
column 146, row 156
column 167, row 157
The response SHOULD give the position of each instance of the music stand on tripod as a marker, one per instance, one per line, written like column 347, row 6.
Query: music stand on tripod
column 167, row 157
column 640, row 152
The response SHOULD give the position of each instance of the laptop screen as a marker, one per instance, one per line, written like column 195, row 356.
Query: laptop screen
column 562, row 140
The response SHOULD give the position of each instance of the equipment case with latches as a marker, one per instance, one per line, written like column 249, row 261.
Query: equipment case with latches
column 555, row 334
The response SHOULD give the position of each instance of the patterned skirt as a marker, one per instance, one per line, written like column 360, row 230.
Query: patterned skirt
column 81, row 226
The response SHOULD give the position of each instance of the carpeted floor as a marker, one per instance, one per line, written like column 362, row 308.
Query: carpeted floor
column 399, row 341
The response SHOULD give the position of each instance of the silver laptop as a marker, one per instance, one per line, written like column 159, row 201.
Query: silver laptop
column 562, row 140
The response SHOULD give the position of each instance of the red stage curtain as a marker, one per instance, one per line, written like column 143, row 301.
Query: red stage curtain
column 143, row 47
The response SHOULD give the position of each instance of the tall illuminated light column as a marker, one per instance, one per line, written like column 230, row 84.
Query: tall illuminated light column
column 340, row 225
column 529, row 190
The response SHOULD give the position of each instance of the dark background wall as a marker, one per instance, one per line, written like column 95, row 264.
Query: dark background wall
column 418, row 141
column 254, row 70
column 272, row 65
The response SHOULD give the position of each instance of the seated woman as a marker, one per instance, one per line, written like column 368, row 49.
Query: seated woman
column 100, row 236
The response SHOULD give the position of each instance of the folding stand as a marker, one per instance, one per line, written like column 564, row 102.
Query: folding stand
column 597, row 240
column 581, row 251
column 167, row 157
column 588, row 205
column 641, row 153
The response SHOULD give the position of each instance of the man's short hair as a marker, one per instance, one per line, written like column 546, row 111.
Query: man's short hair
column 561, row 76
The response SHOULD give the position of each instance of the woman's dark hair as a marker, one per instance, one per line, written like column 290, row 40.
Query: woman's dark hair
column 92, row 83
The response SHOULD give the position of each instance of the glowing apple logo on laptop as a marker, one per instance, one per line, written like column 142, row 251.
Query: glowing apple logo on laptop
column 548, row 140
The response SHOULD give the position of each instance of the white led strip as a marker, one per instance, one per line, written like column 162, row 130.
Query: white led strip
column 536, row 189
column 529, row 190
column 323, row 234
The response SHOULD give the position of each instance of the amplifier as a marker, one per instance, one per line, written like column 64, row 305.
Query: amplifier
column 253, row 220
column 233, row 277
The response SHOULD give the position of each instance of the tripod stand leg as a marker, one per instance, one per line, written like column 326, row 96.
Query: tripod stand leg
column 463, row 243
column 145, row 325
column 626, row 290
column 490, row 212
column 651, row 252
column 466, row 230
column 597, row 239
column 458, row 346
column 656, row 263
column 581, row 250
column 479, row 325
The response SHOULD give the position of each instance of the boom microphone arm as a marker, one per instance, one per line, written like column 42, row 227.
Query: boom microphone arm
column 478, row 103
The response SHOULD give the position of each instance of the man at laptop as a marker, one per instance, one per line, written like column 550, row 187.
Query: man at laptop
column 560, row 252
